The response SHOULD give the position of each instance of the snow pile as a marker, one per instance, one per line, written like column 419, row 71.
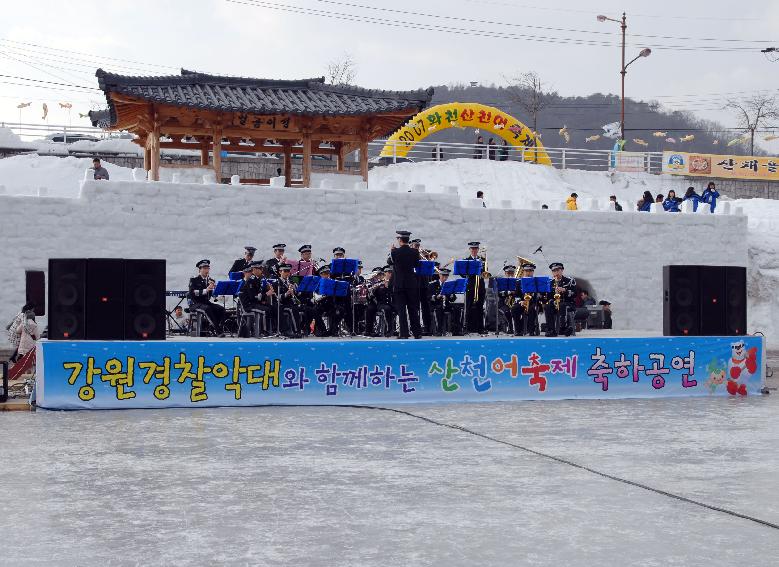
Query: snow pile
column 9, row 140
column 59, row 176
column 520, row 183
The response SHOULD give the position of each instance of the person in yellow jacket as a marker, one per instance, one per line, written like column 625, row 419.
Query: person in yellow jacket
column 570, row 202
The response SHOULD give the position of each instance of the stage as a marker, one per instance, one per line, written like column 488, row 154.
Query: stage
column 207, row 372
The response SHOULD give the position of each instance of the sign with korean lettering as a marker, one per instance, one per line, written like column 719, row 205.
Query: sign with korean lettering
column 103, row 375
column 486, row 119
column 732, row 167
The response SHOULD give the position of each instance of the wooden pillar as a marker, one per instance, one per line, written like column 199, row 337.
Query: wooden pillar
column 364, row 158
column 147, row 155
column 287, row 163
column 340, row 157
column 307, row 159
column 204, row 153
column 155, row 150
column 217, row 151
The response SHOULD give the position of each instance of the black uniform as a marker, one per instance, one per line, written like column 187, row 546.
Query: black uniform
column 474, row 314
column 289, row 304
column 442, row 304
column 526, row 321
column 199, row 296
column 405, row 288
column 239, row 265
column 380, row 299
column 557, row 321
column 343, row 304
column 272, row 267
column 507, row 311
column 253, row 298
column 424, row 303
column 329, row 307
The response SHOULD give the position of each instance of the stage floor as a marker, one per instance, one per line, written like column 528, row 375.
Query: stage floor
column 324, row 486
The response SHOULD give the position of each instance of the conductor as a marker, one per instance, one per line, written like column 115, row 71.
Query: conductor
column 405, row 287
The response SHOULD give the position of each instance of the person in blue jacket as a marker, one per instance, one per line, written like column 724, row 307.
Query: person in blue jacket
column 671, row 203
column 710, row 195
column 646, row 203
column 691, row 195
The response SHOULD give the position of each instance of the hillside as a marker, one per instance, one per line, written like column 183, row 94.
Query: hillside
column 584, row 116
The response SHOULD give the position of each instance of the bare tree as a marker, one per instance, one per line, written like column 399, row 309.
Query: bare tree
column 342, row 71
column 753, row 113
column 528, row 91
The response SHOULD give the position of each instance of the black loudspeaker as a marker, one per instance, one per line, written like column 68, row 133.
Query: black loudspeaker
column 105, row 299
column 144, row 300
column 736, row 300
column 704, row 300
column 681, row 300
column 35, row 284
column 67, row 299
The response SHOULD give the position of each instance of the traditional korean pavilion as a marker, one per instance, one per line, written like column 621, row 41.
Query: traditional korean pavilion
column 237, row 114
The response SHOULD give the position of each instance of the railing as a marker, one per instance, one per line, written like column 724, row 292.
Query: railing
column 41, row 131
column 561, row 158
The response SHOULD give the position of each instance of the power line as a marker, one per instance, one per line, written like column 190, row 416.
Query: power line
column 461, row 31
column 48, row 82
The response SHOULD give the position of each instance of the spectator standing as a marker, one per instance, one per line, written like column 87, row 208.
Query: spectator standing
column 691, row 195
column 28, row 333
column 503, row 152
column 659, row 199
column 606, row 313
column 645, row 203
column 492, row 149
column 710, row 195
column 671, row 203
column 478, row 151
column 617, row 206
column 480, row 195
column 100, row 171
column 13, row 327
column 570, row 202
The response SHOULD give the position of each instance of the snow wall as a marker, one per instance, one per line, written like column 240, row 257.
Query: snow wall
column 619, row 254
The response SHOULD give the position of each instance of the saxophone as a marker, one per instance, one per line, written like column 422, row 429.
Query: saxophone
column 557, row 298
column 526, row 303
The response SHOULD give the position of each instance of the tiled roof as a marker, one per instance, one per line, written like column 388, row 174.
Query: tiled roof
column 260, row 96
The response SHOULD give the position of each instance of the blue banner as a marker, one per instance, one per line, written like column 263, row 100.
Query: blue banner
column 201, row 373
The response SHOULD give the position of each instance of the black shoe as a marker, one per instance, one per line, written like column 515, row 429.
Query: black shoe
column 418, row 336
column 403, row 337
column 551, row 334
column 568, row 332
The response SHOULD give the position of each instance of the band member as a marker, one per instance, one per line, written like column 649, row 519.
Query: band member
column 272, row 265
column 474, row 293
column 253, row 294
column 201, row 289
column 304, row 266
column 424, row 296
column 405, row 287
column 326, row 306
column 380, row 300
column 285, row 293
column 344, row 304
column 442, row 304
column 358, row 305
column 242, row 263
column 526, row 307
column 561, row 303
column 506, row 299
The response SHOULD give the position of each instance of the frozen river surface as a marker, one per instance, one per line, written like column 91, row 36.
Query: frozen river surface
column 344, row 486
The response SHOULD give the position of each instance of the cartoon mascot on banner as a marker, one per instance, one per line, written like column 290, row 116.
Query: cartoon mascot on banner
column 741, row 367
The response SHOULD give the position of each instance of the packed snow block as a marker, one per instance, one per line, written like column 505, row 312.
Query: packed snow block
column 473, row 203
column 562, row 206
column 451, row 190
column 43, row 191
column 611, row 206
column 535, row 205
column 278, row 181
column 418, row 188
column 738, row 211
column 629, row 206
column 361, row 186
column 390, row 186
column 506, row 204
column 209, row 178
column 593, row 205
column 326, row 184
column 656, row 208
column 139, row 174
column 89, row 174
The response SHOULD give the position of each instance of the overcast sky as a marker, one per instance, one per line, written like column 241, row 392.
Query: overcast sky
column 561, row 40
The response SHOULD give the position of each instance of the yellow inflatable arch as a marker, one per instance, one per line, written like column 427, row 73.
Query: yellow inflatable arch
column 464, row 115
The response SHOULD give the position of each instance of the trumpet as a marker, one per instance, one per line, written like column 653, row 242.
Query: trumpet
column 427, row 254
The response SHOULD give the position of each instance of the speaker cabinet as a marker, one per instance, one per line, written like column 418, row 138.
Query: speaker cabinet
column 144, row 300
column 35, row 285
column 105, row 299
column 704, row 300
column 681, row 309
column 67, row 299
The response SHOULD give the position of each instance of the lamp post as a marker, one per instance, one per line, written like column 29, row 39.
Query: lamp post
column 643, row 53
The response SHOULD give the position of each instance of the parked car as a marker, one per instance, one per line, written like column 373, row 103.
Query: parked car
column 380, row 161
column 61, row 137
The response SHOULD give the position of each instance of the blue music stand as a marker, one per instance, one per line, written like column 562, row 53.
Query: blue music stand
column 341, row 288
column 454, row 286
column 333, row 288
column 227, row 287
column 343, row 266
column 240, row 285
column 309, row 284
column 425, row 268
column 504, row 284
column 529, row 285
column 235, row 276
column 468, row 267
column 544, row 284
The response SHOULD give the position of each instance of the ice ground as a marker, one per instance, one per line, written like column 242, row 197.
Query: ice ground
column 344, row 486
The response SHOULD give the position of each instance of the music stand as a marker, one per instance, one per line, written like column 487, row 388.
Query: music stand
column 501, row 285
column 235, row 276
column 528, row 285
column 343, row 266
column 543, row 284
column 425, row 268
column 458, row 287
column 309, row 284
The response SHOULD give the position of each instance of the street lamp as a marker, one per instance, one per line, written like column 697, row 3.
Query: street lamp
column 644, row 53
